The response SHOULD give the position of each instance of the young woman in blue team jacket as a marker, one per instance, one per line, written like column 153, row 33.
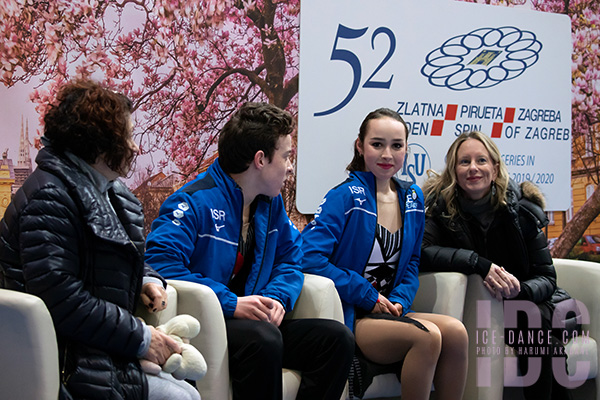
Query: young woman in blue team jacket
column 366, row 236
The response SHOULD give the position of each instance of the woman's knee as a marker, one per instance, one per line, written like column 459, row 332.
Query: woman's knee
column 454, row 334
column 432, row 340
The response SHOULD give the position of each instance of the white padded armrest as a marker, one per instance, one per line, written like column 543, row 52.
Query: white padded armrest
column 441, row 293
column 318, row 299
column 202, row 303
column 582, row 280
column 29, row 353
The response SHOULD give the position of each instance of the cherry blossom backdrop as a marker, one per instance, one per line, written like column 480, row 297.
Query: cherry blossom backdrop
column 188, row 64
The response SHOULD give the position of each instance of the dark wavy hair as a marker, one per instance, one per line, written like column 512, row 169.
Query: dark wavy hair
column 91, row 121
column 358, row 162
column 254, row 127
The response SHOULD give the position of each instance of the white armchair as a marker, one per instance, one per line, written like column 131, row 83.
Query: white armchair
column 318, row 299
column 582, row 280
column 489, row 322
column 29, row 342
column 29, row 353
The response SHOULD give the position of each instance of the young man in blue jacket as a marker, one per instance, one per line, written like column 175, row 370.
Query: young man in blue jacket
column 228, row 229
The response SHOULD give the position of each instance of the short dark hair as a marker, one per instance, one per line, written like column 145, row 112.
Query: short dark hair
column 358, row 162
column 90, row 120
column 254, row 127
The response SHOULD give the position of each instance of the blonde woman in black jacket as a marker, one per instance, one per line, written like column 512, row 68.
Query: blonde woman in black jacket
column 73, row 236
column 478, row 221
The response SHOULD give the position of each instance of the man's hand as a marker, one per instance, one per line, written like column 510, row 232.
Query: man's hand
column 161, row 347
column 259, row 308
column 154, row 297
column 277, row 313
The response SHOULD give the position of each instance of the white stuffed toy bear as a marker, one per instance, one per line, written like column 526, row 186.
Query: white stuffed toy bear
column 190, row 364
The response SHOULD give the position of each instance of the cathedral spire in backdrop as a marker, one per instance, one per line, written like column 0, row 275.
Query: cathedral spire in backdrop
column 24, row 160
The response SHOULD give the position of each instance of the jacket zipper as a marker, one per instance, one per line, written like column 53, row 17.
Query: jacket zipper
column 374, row 234
column 237, row 250
column 402, row 214
column 64, row 379
column 262, row 261
column 138, row 289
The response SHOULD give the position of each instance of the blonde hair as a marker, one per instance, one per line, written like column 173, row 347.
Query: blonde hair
column 445, row 185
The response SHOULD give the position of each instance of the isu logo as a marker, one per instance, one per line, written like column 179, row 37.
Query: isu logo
column 416, row 163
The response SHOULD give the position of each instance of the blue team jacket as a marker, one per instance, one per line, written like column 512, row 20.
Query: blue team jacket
column 338, row 242
column 195, row 238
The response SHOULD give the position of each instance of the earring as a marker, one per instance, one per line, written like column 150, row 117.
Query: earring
column 493, row 190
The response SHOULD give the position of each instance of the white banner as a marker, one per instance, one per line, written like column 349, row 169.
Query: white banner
column 446, row 67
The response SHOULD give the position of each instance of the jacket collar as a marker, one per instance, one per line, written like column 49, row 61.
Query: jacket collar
column 97, row 179
column 224, row 181
column 228, row 185
column 95, row 207
column 368, row 179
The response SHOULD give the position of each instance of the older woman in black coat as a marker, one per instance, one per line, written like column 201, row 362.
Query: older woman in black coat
column 73, row 235
column 479, row 221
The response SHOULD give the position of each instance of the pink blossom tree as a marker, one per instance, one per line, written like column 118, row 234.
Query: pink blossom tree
column 187, row 64
column 585, row 25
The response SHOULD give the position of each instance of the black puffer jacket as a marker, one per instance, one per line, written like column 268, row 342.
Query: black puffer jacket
column 515, row 241
column 60, row 240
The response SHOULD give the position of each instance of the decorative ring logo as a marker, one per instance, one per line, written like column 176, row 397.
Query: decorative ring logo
column 463, row 62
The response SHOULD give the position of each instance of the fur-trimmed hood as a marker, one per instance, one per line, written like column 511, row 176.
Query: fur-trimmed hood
column 532, row 192
column 528, row 198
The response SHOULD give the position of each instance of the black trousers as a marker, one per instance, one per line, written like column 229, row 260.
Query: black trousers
column 321, row 349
